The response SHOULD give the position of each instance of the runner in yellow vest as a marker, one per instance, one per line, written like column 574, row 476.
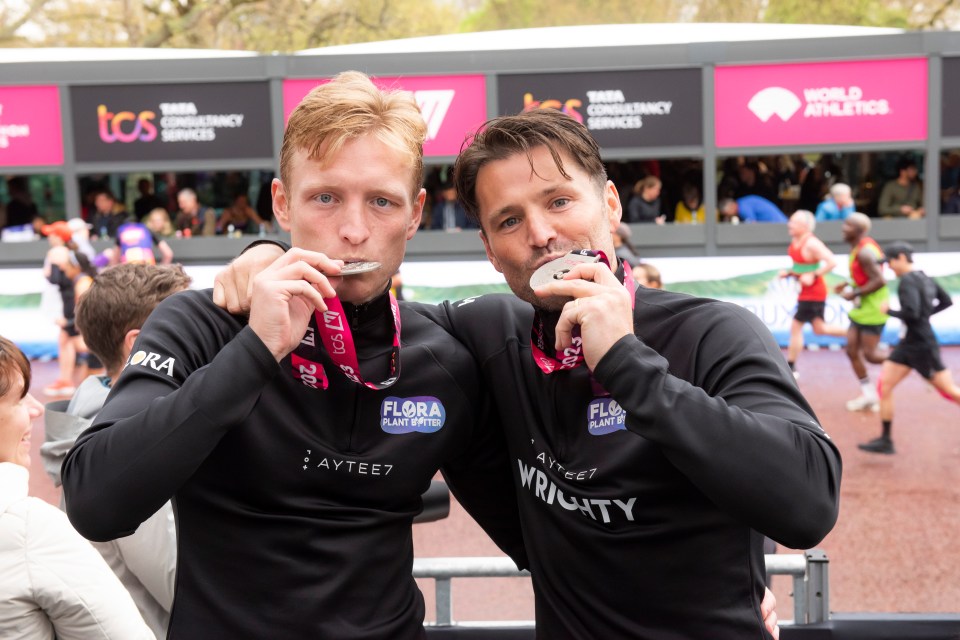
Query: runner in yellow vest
column 869, row 295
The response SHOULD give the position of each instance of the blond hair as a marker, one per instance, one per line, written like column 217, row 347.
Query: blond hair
column 350, row 106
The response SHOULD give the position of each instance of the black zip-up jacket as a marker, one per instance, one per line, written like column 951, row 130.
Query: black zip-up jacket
column 644, row 512
column 294, row 505
column 920, row 297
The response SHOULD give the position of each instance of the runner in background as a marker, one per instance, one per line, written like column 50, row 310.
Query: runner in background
column 812, row 260
column 868, row 293
column 920, row 297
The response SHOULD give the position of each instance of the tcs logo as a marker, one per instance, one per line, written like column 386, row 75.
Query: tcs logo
column 113, row 127
column 568, row 107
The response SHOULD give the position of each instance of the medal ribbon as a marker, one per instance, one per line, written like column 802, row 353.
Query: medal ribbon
column 338, row 341
column 545, row 355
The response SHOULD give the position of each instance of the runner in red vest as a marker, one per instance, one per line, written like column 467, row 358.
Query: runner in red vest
column 812, row 260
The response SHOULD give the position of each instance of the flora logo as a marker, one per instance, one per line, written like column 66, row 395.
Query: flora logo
column 112, row 125
column 434, row 105
column 152, row 360
column 774, row 101
column 423, row 414
column 605, row 415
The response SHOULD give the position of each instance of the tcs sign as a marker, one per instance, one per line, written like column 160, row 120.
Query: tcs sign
column 113, row 127
column 568, row 107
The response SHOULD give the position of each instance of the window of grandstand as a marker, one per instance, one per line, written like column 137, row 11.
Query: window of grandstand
column 28, row 201
column 140, row 193
column 882, row 184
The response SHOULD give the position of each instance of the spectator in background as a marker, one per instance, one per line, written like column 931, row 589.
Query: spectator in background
column 110, row 316
column 812, row 260
column 869, row 295
column 920, row 297
column 109, row 215
column 838, row 205
column 147, row 202
column 644, row 205
column 622, row 246
column 193, row 219
column 396, row 285
column 690, row 209
column 52, row 583
column 135, row 244
column 242, row 217
column 71, row 272
column 648, row 276
column 754, row 180
column 158, row 221
column 952, row 205
column 902, row 197
column 749, row 209
column 21, row 209
column 447, row 212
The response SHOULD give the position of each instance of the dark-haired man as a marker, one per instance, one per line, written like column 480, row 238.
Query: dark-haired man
column 920, row 297
column 903, row 196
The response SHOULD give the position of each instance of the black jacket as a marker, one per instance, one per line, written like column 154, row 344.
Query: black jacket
column 294, row 505
column 644, row 512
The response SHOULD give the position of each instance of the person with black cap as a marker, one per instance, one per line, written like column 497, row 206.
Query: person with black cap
column 920, row 297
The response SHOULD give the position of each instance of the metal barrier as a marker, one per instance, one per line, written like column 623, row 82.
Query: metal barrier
column 810, row 572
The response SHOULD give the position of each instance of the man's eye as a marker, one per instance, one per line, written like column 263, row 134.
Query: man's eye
column 381, row 202
column 509, row 222
column 325, row 198
column 559, row 202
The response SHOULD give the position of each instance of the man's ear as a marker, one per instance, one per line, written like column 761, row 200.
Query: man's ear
column 417, row 213
column 128, row 341
column 490, row 255
column 281, row 204
column 611, row 198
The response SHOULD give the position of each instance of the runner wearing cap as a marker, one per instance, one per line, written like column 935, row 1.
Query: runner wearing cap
column 920, row 297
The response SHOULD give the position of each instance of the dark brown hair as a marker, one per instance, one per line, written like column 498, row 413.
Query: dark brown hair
column 120, row 299
column 12, row 361
column 506, row 136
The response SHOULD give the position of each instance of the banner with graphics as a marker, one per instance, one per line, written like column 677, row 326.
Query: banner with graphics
column 213, row 121
column 453, row 106
column 30, row 130
column 29, row 304
column 821, row 103
column 622, row 109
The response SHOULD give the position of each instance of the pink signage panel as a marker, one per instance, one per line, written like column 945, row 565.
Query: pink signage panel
column 453, row 106
column 821, row 103
column 30, row 132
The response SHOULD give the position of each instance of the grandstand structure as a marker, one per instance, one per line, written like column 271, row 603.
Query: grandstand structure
column 703, row 93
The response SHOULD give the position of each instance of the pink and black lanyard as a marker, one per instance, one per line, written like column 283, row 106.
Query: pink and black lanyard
column 338, row 341
column 546, row 356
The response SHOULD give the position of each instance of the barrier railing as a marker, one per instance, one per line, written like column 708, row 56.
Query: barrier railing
column 809, row 570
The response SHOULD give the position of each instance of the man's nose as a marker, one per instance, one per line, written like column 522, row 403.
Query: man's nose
column 541, row 230
column 354, row 226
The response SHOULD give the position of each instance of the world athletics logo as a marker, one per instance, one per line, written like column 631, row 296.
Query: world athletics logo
column 421, row 414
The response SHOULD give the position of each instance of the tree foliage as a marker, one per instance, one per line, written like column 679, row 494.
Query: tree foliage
column 290, row 25
column 259, row 25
